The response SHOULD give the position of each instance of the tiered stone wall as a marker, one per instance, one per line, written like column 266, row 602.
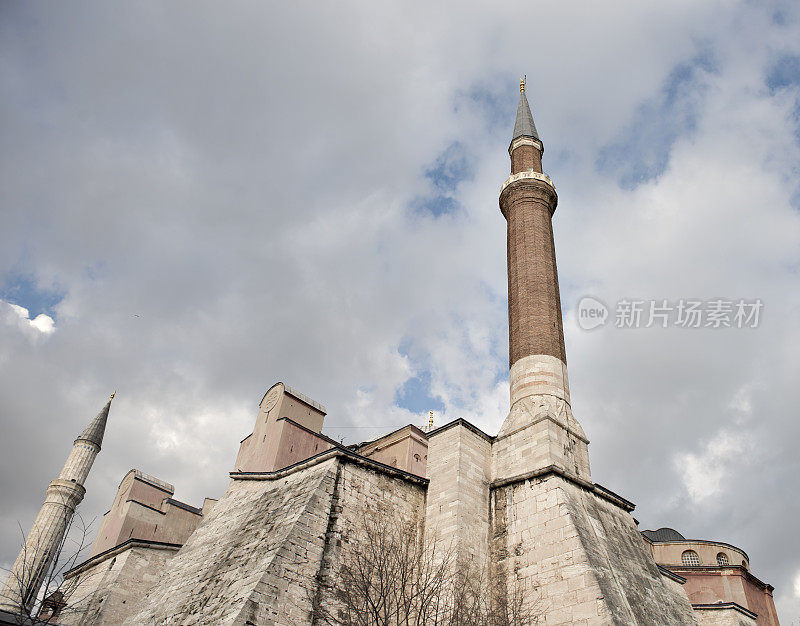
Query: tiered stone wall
column 144, row 509
column 395, row 504
column 258, row 556
column 107, row 592
column 583, row 553
column 261, row 541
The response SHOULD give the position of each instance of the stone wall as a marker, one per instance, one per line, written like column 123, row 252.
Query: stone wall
column 540, row 432
column 723, row 616
column 259, row 450
column 405, row 448
column 257, row 557
column 107, row 592
column 395, row 504
column 457, row 512
column 262, row 540
column 584, row 554
column 274, row 544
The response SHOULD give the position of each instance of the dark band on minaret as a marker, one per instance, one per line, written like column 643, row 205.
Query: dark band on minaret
column 528, row 201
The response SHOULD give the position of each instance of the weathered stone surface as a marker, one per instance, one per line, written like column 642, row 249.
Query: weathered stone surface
column 260, row 541
column 459, row 469
column 108, row 592
column 259, row 555
column 363, row 492
column 723, row 616
column 538, row 374
column 583, row 553
column 539, row 432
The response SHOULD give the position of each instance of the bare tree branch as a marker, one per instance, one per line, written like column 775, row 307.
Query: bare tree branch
column 389, row 575
column 47, row 595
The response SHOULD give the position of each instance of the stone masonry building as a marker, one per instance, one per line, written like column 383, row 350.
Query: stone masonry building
column 520, row 505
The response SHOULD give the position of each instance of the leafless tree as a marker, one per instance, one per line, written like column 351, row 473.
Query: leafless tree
column 54, row 599
column 389, row 576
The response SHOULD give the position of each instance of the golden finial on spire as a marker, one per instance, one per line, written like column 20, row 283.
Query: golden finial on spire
column 113, row 394
column 522, row 83
column 430, row 421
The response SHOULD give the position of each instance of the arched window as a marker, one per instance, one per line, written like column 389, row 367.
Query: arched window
column 722, row 559
column 690, row 558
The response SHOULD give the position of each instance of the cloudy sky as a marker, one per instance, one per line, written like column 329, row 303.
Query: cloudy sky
column 198, row 200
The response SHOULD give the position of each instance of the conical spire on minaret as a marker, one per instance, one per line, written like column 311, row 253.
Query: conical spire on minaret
column 526, row 148
column 524, row 126
column 97, row 427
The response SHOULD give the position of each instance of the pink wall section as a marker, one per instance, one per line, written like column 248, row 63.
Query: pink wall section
column 143, row 510
column 288, row 431
column 277, row 442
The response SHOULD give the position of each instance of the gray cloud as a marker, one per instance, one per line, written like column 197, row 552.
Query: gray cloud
column 232, row 197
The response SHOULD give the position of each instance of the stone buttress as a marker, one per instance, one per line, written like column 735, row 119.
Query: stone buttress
column 273, row 538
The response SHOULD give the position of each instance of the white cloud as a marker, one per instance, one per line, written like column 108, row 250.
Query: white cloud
column 20, row 316
column 229, row 205
column 704, row 473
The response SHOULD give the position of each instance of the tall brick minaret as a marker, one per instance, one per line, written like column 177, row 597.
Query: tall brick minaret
column 540, row 430
column 47, row 533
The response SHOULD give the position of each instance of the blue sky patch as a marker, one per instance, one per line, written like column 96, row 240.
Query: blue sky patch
column 493, row 104
column 435, row 205
column 641, row 152
column 450, row 168
column 785, row 72
column 21, row 289
column 415, row 395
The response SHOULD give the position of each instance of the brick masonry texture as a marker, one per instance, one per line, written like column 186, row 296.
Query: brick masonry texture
column 534, row 304
column 525, row 158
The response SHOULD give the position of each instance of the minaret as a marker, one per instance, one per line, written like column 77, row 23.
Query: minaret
column 47, row 534
column 540, row 421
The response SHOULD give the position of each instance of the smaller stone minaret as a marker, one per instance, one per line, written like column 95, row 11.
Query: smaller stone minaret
column 47, row 533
